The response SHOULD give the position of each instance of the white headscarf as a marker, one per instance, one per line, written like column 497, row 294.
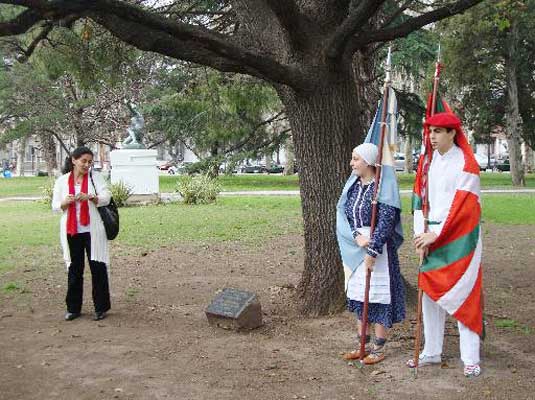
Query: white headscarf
column 368, row 151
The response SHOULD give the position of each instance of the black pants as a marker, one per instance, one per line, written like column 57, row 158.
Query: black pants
column 78, row 244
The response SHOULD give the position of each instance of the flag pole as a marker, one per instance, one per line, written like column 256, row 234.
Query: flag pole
column 378, row 171
column 425, row 211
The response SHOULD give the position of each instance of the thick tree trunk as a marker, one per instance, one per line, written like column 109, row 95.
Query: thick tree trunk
column 513, row 118
column 268, row 156
column 325, row 129
column 21, row 150
column 213, row 167
column 368, row 86
column 80, row 137
column 528, row 158
column 48, row 146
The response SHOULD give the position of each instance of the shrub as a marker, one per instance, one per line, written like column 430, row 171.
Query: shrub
column 47, row 191
column 200, row 189
column 120, row 192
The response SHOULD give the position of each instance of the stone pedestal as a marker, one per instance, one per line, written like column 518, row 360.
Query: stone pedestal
column 137, row 169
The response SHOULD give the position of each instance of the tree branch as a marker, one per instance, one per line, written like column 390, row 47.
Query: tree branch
column 398, row 12
column 250, row 136
column 150, row 31
column 58, row 138
column 227, row 58
column 412, row 24
column 35, row 42
column 358, row 16
column 266, row 142
column 21, row 23
column 289, row 17
column 157, row 143
column 190, row 148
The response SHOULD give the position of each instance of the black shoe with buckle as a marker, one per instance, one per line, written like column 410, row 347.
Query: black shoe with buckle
column 99, row 315
column 69, row 316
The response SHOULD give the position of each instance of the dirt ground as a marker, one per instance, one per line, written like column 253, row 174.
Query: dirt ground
column 156, row 343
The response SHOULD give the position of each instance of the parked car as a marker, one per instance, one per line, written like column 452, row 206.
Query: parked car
column 275, row 169
column 415, row 161
column 164, row 166
column 503, row 165
column 182, row 168
column 483, row 162
column 228, row 168
column 399, row 162
column 252, row 169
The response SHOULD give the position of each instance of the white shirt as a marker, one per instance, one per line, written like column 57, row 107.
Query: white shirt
column 99, row 241
column 80, row 228
column 444, row 173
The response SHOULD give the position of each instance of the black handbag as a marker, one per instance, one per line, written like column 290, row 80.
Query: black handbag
column 109, row 215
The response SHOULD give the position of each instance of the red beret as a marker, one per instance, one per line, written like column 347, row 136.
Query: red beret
column 444, row 120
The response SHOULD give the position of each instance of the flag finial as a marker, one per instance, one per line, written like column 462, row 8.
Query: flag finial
column 438, row 65
column 388, row 66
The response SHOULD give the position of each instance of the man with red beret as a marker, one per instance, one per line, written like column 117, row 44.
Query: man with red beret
column 451, row 273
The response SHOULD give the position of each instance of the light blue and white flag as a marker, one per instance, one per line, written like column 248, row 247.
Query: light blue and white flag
column 388, row 192
column 388, row 186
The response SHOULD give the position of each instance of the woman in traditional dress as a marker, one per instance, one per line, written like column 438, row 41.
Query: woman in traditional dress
column 82, row 231
column 379, row 254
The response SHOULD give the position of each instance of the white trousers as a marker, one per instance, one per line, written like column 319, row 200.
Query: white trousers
column 434, row 318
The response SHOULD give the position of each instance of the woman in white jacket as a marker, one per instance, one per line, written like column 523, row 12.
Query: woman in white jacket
column 77, row 194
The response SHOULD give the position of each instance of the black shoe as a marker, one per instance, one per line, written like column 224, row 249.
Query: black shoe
column 69, row 316
column 99, row 315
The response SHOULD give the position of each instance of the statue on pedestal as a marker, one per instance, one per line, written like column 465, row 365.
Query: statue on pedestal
column 135, row 130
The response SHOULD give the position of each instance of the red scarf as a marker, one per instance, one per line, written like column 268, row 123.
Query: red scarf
column 72, row 223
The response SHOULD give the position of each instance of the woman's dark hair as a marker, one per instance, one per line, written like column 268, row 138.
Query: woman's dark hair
column 76, row 154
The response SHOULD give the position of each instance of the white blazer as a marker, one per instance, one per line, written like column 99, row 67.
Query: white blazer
column 99, row 241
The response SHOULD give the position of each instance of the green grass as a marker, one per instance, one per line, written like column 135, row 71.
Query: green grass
column 132, row 292
column 512, row 324
column 30, row 231
column 503, row 180
column 32, row 186
column 12, row 287
column 512, row 209
column 489, row 180
column 25, row 186
column 507, row 209
column 30, row 237
column 247, row 219
column 235, row 183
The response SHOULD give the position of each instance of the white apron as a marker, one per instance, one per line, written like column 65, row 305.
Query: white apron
column 355, row 282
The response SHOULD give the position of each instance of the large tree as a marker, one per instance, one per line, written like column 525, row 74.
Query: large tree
column 304, row 48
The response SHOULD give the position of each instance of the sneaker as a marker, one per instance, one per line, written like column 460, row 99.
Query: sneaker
column 472, row 371
column 99, row 315
column 69, row 316
column 424, row 361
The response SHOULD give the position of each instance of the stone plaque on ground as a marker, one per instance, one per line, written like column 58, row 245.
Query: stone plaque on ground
column 235, row 309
